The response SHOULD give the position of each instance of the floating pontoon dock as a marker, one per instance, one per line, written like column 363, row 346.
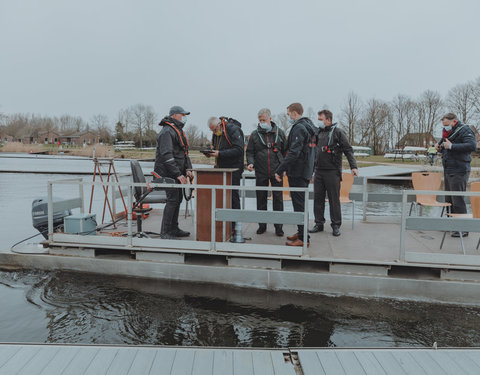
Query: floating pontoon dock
column 46, row 359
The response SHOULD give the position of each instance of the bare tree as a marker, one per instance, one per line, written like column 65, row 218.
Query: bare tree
column 142, row 119
column 374, row 125
column 461, row 101
column 429, row 108
column 124, row 117
column 402, row 117
column 350, row 114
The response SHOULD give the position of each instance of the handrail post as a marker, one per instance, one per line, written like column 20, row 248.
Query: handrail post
column 402, row 227
column 305, row 223
column 243, row 192
column 50, row 212
column 224, row 205
column 82, row 197
column 212, row 229
column 129, row 214
column 365, row 198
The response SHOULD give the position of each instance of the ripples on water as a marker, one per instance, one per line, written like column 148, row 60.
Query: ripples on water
column 79, row 308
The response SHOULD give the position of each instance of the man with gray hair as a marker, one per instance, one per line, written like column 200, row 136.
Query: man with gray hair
column 265, row 151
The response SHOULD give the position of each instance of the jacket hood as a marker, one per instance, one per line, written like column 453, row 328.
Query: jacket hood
column 171, row 120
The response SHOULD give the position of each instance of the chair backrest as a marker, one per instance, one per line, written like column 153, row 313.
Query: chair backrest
column 475, row 201
column 346, row 186
column 426, row 181
column 138, row 176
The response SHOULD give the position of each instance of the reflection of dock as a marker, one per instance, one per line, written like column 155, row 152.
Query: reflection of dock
column 145, row 360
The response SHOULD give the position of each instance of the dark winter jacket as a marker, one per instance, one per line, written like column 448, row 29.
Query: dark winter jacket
column 266, row 150
column 297, row 159
column 231, row 151
column 332, row 142
column 457, row 159
column 172, row 158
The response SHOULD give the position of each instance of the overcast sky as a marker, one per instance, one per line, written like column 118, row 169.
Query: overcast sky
column 228, row 58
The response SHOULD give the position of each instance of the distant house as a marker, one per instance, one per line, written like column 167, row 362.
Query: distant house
column 4, row 137
column 48, row 137
column 477, row 136
column 416, row 140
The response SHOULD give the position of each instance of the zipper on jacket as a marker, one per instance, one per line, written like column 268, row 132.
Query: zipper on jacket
column 268, row 156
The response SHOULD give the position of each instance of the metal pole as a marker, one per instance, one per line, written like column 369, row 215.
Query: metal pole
column 82, row 197
column 129, row 215
column 114, row 202
column 403, row 225
column 195, row 213
column 50, row 212
column 243, row 192
column 365, row 198
column 224, row 204
column 212, row 222
column 305, row 224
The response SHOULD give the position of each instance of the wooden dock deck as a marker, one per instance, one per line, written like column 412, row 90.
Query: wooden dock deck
column 54, row 359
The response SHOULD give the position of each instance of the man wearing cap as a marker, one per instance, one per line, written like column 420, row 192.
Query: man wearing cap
column 172, row 161
column 457, row 144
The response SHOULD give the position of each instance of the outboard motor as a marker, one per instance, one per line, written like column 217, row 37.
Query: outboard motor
column 40, row 216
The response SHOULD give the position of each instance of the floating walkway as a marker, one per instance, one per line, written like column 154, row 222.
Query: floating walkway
column 46, row 359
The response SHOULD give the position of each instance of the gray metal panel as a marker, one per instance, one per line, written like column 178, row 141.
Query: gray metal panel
column 330, row 362
column 451, row 367
column 19, row 360
column 466, row 363
column 280, row 367
column 369, row 362
column 183, row 363
column 60, row 362
column 67, row 204
column 7, row 352
column 243, row 362
column 203, row 362
column 162, row 364
column 81, row 361
column 143, row 361
column 122, row 362
column 262, row 362
column 251, row 216
column 102, row 361
column 437, row 258
column 310, row 362
column 410, row 364
column 472, row 355
column 349, row 362
column 388, row 362
column 40, row 361
column 222, row 362
column 442, row 224
column 429, row 365
column 258, row 248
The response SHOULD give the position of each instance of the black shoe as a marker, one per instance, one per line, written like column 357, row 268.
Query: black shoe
column 261, row 229
column 317, row 228
column 336, row 230
column 167, row 236
column 457, row 234
column 179, row 233
column 279, row 232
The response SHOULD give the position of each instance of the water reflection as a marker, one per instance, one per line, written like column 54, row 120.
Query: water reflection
column 79, row 308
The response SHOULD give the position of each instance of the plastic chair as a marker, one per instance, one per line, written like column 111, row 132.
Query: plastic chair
column 475, row 203
column 427, row 181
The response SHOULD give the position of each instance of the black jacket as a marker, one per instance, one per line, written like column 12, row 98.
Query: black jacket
column 457, row 159
column 230, row 153
column 297, row 159
column 171, row 159
column 266, row 150
column 332, row 142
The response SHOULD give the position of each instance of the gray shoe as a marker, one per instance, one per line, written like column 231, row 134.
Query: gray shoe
column 317, row 228
column 167, row 236
column 336, row 230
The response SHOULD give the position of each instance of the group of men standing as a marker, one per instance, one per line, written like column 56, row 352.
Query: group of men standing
column 307, row 150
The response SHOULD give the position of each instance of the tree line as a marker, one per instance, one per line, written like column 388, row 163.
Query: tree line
column 373, row 122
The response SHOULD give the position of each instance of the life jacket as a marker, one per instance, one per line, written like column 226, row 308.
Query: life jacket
column 183, row 140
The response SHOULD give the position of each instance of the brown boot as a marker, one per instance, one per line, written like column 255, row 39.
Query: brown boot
column 293, row 237
column 297, row 242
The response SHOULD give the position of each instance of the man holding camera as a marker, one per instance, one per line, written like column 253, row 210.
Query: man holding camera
column 457, row 144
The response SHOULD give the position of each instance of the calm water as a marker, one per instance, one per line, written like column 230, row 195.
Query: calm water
column 66, row 307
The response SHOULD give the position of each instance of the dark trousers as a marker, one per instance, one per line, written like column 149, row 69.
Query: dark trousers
column 298, row 199
column 456, row 182
column 327, row 183
column 236, row 178
column 171, row 211
column 262, row 196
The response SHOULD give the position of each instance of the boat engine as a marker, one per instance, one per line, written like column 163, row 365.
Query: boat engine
column 40, row 216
